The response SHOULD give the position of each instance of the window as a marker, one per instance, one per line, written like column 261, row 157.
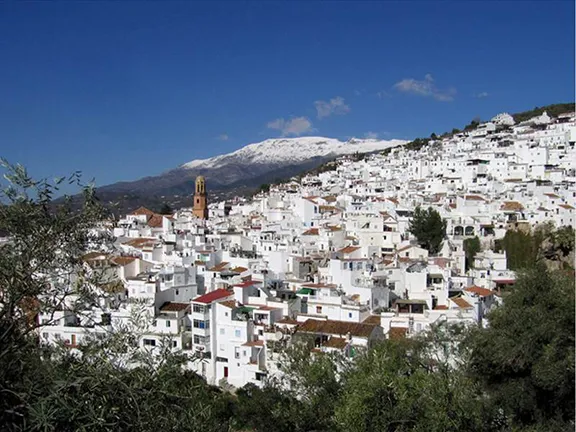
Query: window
column 201, row 324
column 198, row 308
column 222, row 331
column 167, row 323
column 149, row 342
column 237, row 333
column 349, row 314
column 174, row 344
column 318, row 309
column 45, row 336
column 200, row 340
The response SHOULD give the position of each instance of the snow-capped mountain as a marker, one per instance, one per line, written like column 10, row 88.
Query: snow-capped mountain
column 240, row 170
column 290, row 151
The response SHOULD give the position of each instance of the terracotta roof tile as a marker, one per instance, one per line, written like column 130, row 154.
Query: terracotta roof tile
column 336, row 342
column 482, row 292
column 142, row 211
column 213, row 296
column 311, row 231
column 349, row 249
column 460, row 302
column 511, row 206
column 473, row 198
column 397, row 332
column 341, row 328
column 155, row 221
column 174, row 307
column 254, row 343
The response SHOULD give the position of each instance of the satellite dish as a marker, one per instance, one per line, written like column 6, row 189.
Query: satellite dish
column 278, row 335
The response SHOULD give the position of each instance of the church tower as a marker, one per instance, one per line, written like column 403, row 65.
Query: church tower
column 200, row 199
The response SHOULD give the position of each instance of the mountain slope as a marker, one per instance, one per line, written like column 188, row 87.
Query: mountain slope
column 269, row 159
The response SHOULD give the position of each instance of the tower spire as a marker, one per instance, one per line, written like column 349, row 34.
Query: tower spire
column 200, row 198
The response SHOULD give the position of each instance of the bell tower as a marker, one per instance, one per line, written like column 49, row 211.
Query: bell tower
column 200, row 199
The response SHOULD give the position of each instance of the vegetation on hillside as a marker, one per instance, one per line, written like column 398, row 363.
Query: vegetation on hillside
column 471, row 248
column 429, row 229
column 555, row 247
column 516, row 374
column 553, row 110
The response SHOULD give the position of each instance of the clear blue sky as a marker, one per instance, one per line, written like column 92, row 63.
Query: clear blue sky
column 125, row 90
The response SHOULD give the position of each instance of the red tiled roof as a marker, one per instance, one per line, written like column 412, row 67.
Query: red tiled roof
column 213, row 296
column 254, row 343
column 219, row 267
column 143, row 211
column 336, row 342
column 566, row 206
column 141, row 242
column 511, row 206
column 337, row 328
column 460, row 302
column 349, row 249
column 123, row 260
column 482, row 292
column 505, row 281
column 155, row 221
column 311, row 231
column 174, row 307
column 473, row 198
column 239, row 269
column 397, row 332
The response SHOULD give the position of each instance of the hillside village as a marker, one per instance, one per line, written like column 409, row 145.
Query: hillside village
column 330, row 255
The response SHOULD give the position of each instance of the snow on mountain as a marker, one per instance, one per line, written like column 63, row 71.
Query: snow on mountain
column 291, row 151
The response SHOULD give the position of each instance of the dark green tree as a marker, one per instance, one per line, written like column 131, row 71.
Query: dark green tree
column 525, row 357
column 166, row 209
column 471, row 248
column 429, row 229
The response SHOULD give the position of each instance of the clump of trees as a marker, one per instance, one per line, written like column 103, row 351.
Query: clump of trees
column 471, row 247
column 429, row 229
column 553, row 110
column 543, row 244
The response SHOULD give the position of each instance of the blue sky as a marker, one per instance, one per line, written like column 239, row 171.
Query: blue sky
column 124, row 90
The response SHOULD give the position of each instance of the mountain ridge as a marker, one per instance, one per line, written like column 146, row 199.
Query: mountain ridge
column 238, row 171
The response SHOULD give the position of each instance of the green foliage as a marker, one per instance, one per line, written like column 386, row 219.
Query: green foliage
column 41, row 270
column 525, row 358
column 525, row 249
column 417, row 144
column 264, row 188
column 165, row 209
column 473, row 124
column 552, row 110
column 429, row 229
column 471, row 248
column 399, row 386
